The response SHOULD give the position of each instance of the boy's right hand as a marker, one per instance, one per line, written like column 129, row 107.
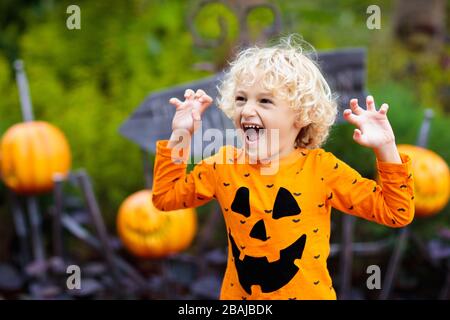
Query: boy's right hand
column 188, row 113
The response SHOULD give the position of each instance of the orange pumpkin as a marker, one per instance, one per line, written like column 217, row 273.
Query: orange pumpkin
column 431, row 179
column 30, row 154
column 150, row 233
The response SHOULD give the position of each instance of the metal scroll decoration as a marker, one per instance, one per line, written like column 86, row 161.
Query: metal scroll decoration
column 241, row 9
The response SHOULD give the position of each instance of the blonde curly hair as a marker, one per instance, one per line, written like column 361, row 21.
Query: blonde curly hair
column 289, row 72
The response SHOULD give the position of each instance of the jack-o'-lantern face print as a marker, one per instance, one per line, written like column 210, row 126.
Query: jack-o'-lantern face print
column 269, row 274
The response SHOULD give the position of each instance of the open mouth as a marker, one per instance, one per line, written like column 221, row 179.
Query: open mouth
column 252, row 132
column 270, row 276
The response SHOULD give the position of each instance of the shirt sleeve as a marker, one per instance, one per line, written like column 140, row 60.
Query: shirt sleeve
column 174, row 189
column 389, row 202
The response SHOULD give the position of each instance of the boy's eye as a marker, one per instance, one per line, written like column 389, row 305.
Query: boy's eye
column 240, row 99
column 266, row 101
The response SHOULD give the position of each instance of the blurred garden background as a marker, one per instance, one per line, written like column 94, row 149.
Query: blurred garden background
column 87, row 82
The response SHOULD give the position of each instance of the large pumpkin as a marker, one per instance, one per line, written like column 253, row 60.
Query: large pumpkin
column 150, row 233
column 30, row 154
column 431, row 179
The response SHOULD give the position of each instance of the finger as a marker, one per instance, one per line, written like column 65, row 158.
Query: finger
column 176, row 102
column 205, row 99
column 197, row 118
column 355, row 107
column 196, row 115
column 205, row 102
column 357, row 136
column 350, row 117
column 370, row 103
column 188, row 93
column 199, row 93
column 384, row 108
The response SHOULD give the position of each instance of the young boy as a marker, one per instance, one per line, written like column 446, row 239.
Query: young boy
column 278, row 224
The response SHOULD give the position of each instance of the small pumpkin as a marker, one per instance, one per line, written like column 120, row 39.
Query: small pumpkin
column 31, row 153
column 150, row 233
column 431, row 179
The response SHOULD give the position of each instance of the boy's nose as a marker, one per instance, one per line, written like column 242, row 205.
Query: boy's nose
column 248, row 110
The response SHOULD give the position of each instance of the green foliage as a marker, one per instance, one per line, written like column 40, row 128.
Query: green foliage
column 88, row 81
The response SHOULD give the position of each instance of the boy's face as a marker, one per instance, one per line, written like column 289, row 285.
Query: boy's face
column 267, row 120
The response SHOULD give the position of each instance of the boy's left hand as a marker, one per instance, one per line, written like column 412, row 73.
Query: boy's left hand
column 373, row 127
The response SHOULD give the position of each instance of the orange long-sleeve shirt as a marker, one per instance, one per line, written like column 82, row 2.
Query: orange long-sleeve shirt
column 279, row 225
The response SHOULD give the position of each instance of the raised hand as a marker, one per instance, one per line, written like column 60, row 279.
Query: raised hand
column 188, row 113
column 373, row 129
